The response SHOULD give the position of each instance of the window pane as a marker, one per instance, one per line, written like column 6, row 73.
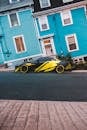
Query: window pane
column 65, row 1
column 44, row 26
column 47, row 41
column 72, row 46
column 45, row 3
column 13, row 19
column 71, row 39
column 66, row 14
column 13, row 1
column 67, row 21
column 19, row 44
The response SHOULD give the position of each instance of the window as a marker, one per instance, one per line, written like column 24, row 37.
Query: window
column 19, row 44
column 85, row 58
column 44, row 3
column 65, row 1
column 71, row 41
column 14, row 19
column 43, row 23
column 13, row 1
column 66, row 18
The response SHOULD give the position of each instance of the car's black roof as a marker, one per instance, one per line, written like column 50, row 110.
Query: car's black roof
column 42, row 59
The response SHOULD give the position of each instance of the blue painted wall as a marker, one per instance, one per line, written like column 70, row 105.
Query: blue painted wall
column 79, row 27
column 26, row 28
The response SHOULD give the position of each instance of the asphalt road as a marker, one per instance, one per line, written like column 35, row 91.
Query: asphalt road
column 41, row 86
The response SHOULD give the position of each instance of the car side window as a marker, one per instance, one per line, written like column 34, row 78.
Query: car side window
column 41, row 60
column 44, row 59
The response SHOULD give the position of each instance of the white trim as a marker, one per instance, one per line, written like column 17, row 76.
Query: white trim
column 37, row 32
column 23, row 58
column 1, row 53
column 45, row 21
column 46, row 36
column 41, row 5
column 77, row 47
column 10, row 1
column 85, row 9
column 67, row 1
column 59, row 9
column 36, row 28
column 78, row 60
column 23, row 44
column 70, row 16
column 17, row 19
column 79, row 56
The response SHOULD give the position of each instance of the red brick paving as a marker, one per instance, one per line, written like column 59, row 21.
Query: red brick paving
column 42, row 115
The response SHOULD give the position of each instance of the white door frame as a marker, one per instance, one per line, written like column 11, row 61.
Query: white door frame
column 1, row 54
column 52, row 44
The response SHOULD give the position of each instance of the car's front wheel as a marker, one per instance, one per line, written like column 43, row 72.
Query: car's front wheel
column 60, row 69
column 24, row 69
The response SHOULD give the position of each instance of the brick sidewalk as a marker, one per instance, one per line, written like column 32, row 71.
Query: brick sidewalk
column 42, row 115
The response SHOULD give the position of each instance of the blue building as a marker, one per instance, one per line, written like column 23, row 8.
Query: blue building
column 18, row 38
column 62, row 27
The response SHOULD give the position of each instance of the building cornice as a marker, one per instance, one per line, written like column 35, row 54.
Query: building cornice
column 15, row 6
column 59, row 9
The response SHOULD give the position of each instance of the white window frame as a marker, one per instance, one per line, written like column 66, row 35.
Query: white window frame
column 10, row 1
column 63, row 18
column 17, row 19
column 66, row 1
column 23, row 43
column 76, row 41
column 41, row 5
column 46, row 21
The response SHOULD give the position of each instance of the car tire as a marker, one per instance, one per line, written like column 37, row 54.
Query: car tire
column 24, row 69
column 60, row 69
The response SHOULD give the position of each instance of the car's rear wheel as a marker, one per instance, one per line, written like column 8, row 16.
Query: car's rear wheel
column 60, row 69
column 24, row 69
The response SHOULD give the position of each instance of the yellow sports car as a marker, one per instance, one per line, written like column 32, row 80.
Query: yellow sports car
column 44, row 64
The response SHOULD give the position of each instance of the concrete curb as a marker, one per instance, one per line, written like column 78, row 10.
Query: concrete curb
column 85, row 71
column 12, row 70
column 6, row 70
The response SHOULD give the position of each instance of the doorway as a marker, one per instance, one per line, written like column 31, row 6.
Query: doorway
column 48, row 46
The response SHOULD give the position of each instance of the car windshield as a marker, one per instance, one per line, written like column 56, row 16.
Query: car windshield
column 42, row 59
